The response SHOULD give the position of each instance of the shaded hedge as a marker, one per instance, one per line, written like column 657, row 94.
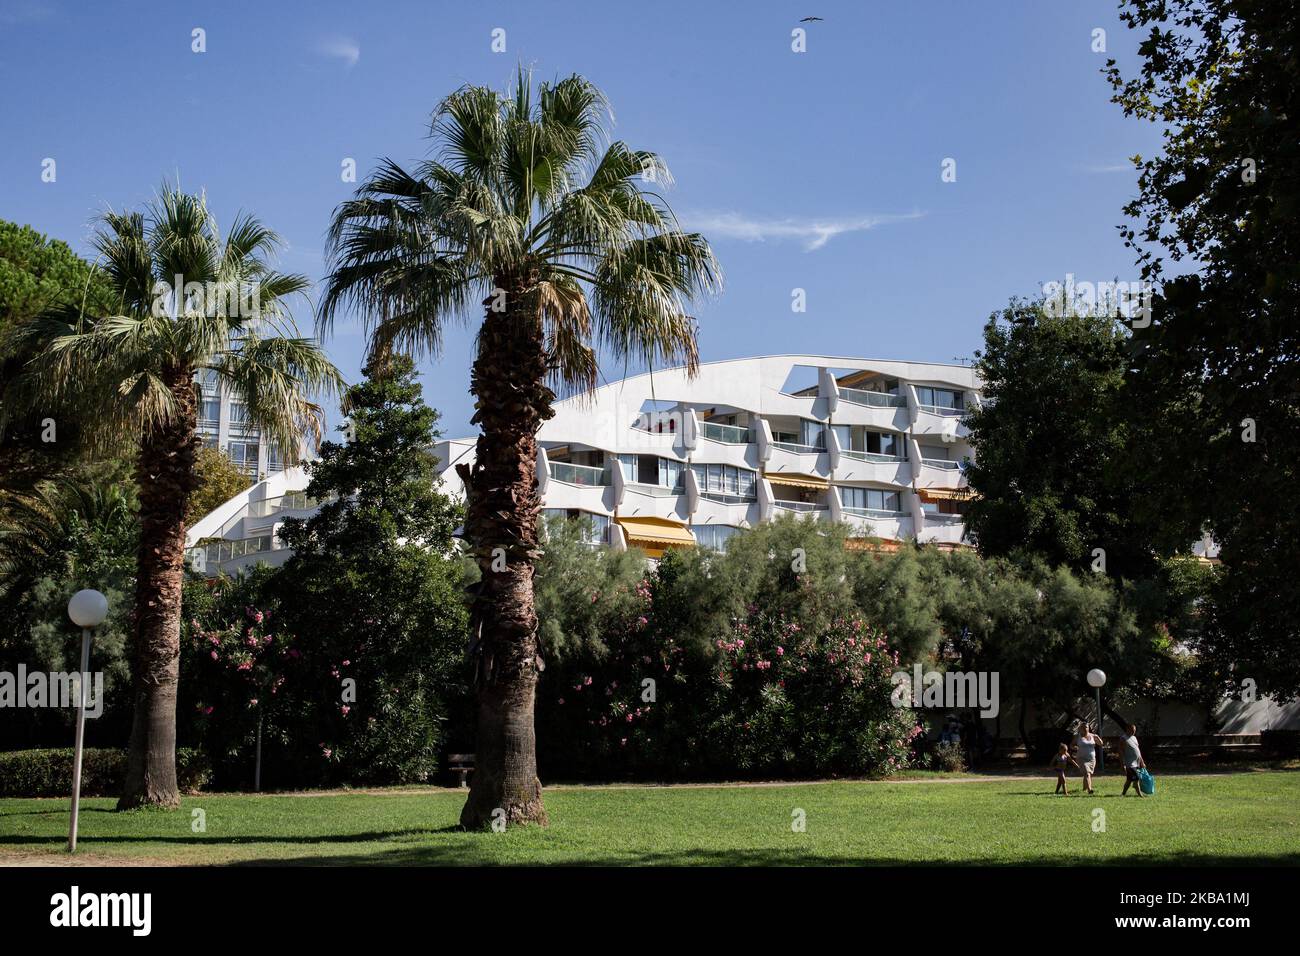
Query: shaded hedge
column 48, row 773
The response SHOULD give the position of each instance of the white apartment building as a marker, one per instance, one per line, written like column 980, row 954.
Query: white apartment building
column 663, row 460
column 223, row 423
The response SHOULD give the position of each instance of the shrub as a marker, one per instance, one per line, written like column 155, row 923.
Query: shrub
column 948, row 757
column 48, row 773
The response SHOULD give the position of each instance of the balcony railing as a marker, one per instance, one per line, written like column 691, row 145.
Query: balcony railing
column 293, row 501
column 942, row 410
column 657, row 491
column 727, row 498
column 799, row 505
column 942, row 463
column 219, row 552
column 877, row 399
column 571, row 474
column 731, row 434
column 798, row 449
column 943, row 518
column 875, row 513
column 872, row 456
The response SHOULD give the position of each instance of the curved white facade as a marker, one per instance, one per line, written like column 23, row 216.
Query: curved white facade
column 660, row 460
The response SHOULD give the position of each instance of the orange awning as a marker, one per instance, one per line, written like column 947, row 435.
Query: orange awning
column 796, row 481
column 656, row 532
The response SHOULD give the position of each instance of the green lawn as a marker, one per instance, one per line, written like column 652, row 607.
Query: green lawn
column 1244, row 818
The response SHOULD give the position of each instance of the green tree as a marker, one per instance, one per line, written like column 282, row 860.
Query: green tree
column 186, row 299
column 37, row 274
column 53, row 543
column 1049, row 443
column 373, row 591
column 567, row 245
column 1216, row 226
column 217, row 480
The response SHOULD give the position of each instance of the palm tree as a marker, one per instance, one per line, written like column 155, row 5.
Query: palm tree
column 564, row 242
column 187, row 300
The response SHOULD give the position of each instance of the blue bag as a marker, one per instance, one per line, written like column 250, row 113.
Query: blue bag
column 1146, row 781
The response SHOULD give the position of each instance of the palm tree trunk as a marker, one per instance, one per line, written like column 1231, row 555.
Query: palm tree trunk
column 509, row 382
column 165, row 473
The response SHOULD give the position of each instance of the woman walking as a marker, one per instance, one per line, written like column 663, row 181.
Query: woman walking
column 1087, row 745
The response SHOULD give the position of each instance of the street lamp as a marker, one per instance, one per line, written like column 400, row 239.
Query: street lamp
column 87, row 609
column 1096, row 680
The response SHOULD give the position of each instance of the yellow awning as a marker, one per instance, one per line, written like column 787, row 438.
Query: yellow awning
column 656, row 531
column 944, row 494
column 796, row 481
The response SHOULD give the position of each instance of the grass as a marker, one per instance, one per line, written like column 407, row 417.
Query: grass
column 1243, row 818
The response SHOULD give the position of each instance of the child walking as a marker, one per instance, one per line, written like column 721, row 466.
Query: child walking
column 1060, row 762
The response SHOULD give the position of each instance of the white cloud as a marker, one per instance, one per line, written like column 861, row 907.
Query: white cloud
column 813, row 233
column 1109, row 168
column 344, row 48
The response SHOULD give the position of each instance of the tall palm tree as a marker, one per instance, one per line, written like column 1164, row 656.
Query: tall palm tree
column 563, row 239
column 188, row 299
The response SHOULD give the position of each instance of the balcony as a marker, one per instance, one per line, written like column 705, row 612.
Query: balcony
column 887, row 525
column 875, row 513
column 293, row 501
column 943, row 528
column 222, row 552
column 586, row 476
column 873, row 457
column 873, row 399
column 942, row 464
column 727, row 434
column 655, row 491
column 797, row 448
column 944, row 410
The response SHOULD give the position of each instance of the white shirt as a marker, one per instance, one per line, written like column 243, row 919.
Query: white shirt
column 1087, row 748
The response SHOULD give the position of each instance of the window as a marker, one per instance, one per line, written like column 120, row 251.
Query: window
column 869, row 499
column 811, row 433
column 210, row 410
column 930, row 397
column 238, row 413
column 244, row 454
column 273, row 460
column 726, row 482
column 714, row 536
column 883, row 443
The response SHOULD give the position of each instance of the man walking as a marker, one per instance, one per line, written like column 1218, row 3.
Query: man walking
column 1133, row 761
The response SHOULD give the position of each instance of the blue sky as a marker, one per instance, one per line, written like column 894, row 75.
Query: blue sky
column 818, row 170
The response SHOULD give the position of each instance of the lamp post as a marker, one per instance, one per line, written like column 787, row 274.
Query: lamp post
column 1097, row 680
column 87, row 609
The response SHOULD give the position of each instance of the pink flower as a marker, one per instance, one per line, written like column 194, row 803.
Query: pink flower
column 347, row 663
column 326, row 751
column 561, row 701
column 214, row 655
column 780, row 651
column 208, row 710
column 345, row 709
column 252, row 702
